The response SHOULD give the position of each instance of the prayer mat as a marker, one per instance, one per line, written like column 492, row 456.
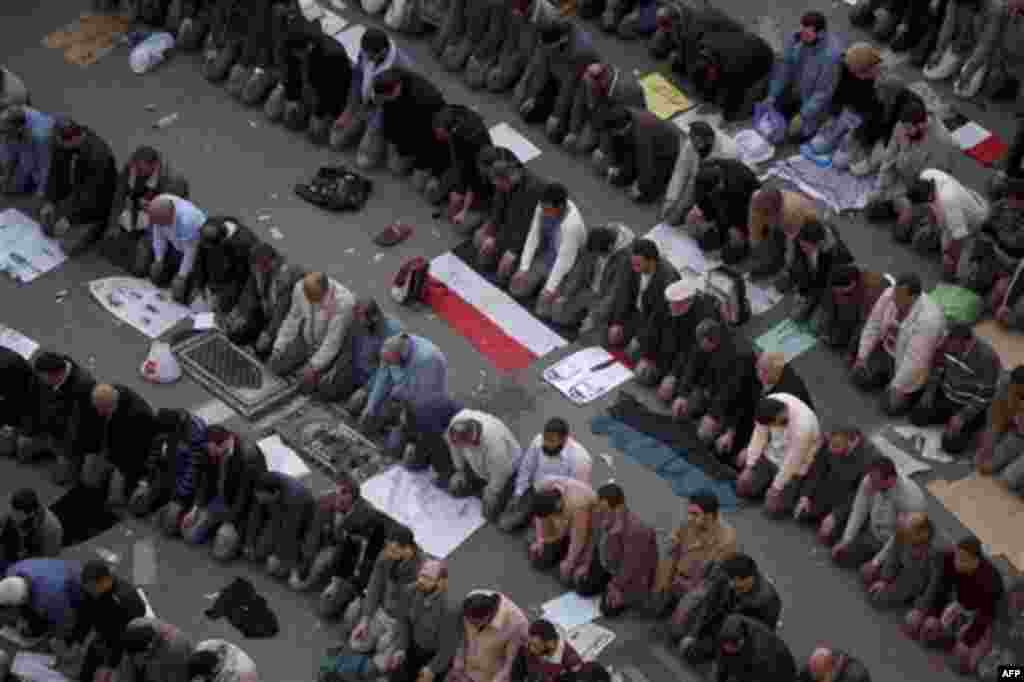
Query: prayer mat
column 232, row 374
column 988, row 509
column 322, row 437
column 502, row 329
column 83, row 514
column 787, row 337
column 675, row 467
column 838, row 190
column 88, row 39
column 664, row 99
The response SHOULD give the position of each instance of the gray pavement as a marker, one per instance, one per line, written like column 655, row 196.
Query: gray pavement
column 238, row 165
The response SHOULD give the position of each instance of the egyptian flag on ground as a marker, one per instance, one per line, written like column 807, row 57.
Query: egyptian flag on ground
column 491, row 320
column 980, row 144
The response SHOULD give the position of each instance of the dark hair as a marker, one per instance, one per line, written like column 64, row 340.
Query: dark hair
column 145, row 154
column 960, row 331
column 706, row 500
column 645, row 248
column 374, row 40
column 768, row 410
column 386, row 81
column 480, row 605
column 202, row 664
column 169, row 420
column 555, row 194
column 601, row 239
column 740, row 566
column 844, row 276
column 48, row 361
column 543, row 629
column 263, row 252
column 913, row 111
column 95, row 571
column 920, row 191
column 1017, row 375
column 545, row 503
column 709, row 175
column 910, row 281
column 613, row 494
column 554, row 32
column 214, row 230
column 446, row 117
column 137, row 637
column 812, row 231
column 402, row 535
column 815, row 20
column 612, row 117
column 557, row 426
column 970, row 544
column 883, row 466
column 25, row 501
column 593, row 672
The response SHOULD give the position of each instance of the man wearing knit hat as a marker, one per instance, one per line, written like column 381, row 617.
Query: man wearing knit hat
column 802, row 88
column 25, row 149
column 668, row 347
column 80, row 189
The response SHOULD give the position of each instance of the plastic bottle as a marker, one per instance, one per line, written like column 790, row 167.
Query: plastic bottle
column 150, row 52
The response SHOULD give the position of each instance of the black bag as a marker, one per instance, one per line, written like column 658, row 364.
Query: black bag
column 246, row 609
column 410, row 283
column 336, row 188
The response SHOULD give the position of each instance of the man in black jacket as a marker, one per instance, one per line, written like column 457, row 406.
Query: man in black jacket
column 20, row 404
column 468, row 28
column 81, row 187
column 722, row 192
column 281, row 513
column 229, row 25
column 818, row 252
column 265, row 299
column 223, row 262
column 733, row 586
column 668, row 346
column 408, row 103
column 223, row 492
column 732, row 69
column 65, row 402
column 109, row 604
column 458, row 179
column 831, row 485
column 715, row 380
column 639, row 304
column 516, row 194
column 749, row 651
column 638, row 150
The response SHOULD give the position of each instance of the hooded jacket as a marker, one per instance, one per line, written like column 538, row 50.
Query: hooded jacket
column 811, row 72
column 763, row 655
column 55, row 590
column 408, row 121
column 131, row 190
column 918, row 336
column 83, row 181
column 20, row 392
column 224, row 267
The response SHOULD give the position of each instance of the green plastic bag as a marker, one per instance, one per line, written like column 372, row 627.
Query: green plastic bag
column 960, row 304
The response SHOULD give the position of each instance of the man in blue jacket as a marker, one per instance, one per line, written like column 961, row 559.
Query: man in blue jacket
column 359, row 357
column 43, row 595
column 169, row 484
column 25, row 135
column 804, row 81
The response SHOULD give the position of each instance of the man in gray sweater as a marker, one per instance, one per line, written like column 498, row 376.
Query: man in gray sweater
column 961, row 386
column 884, row 494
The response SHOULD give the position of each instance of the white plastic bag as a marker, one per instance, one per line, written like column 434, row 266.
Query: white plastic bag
column 160, row 365
column 148, row 54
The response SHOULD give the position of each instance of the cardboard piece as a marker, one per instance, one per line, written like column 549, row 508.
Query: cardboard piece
column 988, row 510
column 664, row 99
column 1008, row 344
column 87, row 40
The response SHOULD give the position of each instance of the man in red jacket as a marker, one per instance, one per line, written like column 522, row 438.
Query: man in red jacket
column 546, row 656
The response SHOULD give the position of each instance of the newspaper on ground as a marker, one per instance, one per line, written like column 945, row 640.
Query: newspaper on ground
column 139, row 303
column 587, row 375
column 25, row 252
column 838, row 190
column 571, row 611
column 504, row 135
column 281, row 458
column 590, row 640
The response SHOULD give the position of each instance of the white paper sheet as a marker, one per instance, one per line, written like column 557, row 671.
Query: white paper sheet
column 12, row 339
column 282, row 458
column 440, row 522
column 762, row 299
column 504, row 135
column 25, row 252
column 753, row 149
column 970, row 135
column 332, row 24
column 150, row 613
column 350, row 39
column 36, row 667
column 838, row 190
column 681, row 250
column 139, row 303
column 590, row 640
column 204, row 321
column 587, row 375
column 570, row 611
column 891, row 443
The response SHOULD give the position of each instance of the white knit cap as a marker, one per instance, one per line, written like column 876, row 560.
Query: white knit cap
column 682, row 289
column 13, row 591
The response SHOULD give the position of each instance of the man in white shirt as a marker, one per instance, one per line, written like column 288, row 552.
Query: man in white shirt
column 552, row 453
column 485, row 454
column 176, row 225
column 950, row 214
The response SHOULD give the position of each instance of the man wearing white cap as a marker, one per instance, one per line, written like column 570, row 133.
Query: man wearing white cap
column 665, row 349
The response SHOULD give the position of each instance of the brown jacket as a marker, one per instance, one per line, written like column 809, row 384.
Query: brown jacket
column 1008, row 404
column 797, row 210
column 690, row 550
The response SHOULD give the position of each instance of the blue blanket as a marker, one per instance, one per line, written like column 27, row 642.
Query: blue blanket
column 671, row 465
